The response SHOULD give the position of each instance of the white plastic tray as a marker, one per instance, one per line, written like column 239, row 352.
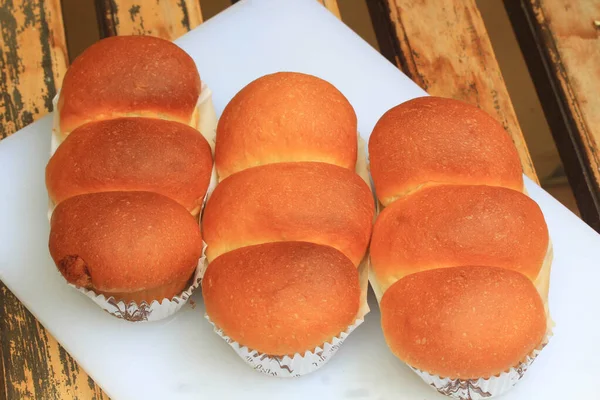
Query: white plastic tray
column 182, row 358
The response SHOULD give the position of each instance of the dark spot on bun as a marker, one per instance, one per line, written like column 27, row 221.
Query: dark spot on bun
column 75, row 271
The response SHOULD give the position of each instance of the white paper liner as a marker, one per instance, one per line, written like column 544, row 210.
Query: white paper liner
column 482, row 388
column 300, row 364
column 475, row 389
column 145, row 312
column 288, row 367
column 207, row 116
column 542, row 282
column 372, row 277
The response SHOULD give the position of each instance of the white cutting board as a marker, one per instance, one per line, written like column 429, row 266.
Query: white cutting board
column 182, row 358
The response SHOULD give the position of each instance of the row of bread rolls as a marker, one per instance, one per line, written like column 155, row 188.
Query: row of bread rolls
column 458, row 250
column 288, row 224
column 456, row 255
column 130, row 175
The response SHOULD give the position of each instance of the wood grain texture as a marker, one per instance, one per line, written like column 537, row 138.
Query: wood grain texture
column 33, row 59
column 35, row 365
column 577, row 55
column 167, row 19
column 444, row 47
column 568, row 41
column 564, row 67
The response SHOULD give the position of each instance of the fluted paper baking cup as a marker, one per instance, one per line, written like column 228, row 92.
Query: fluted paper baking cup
column 476, row 389
column 211, row 187
column 300, row 364
column 145, row 312
column 156, row 310
column 286, row 366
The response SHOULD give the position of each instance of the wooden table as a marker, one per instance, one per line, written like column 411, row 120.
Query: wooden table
column 560, row 40
column 441, row 45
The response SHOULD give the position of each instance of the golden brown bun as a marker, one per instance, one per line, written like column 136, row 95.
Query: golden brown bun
column 464, row 322
column 286, row 116
column 432, row 140
column 129, row 75
column 282, row 298
column 449, row 226
column 126, row 244
column 304, row 201
column 126, row 154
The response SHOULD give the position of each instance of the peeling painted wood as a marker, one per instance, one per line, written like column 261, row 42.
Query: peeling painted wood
column 444, row 47
column 35, row 365
column 561, row 44
column 33, row 59
column 167, row 19
column 573, row 43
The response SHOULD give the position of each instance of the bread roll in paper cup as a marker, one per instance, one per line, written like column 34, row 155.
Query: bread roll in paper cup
column 469, row 332
column 144, row 312
column 138, row 255
column 482, row 388
column 285, row 308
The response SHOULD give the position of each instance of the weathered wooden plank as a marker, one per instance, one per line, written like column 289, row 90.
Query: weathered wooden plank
column 32, row 60
column 444, row 47
column 35, row 365
column 332, row 5
column 561, row 44
column 167, row 19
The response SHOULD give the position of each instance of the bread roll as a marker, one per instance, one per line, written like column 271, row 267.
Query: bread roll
column 132, row 154
column 449, row 226
column 286, row 116
column 432, row 140
column 282, row 298
column 134, row 246
column 129, row 76
column 463, row 322
column 299, row 201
